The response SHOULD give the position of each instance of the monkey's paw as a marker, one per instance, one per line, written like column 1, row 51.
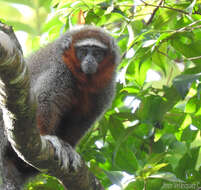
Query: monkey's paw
column 66, row 156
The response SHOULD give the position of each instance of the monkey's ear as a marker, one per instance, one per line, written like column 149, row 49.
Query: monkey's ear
column 66, row 42
column 113, row 45
column 115, row 50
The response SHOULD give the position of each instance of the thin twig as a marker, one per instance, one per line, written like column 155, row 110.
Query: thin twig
column 189, row 58
column 194, row 58
column 166, row 7
column 170, row 76
column 154, row 12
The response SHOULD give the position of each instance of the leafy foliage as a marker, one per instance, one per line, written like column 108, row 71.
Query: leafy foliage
column 151, row 136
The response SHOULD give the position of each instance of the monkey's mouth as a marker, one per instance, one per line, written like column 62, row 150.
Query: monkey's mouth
column 87, row 75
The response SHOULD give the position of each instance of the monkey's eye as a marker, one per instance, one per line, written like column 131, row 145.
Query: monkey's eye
column 99, row 54
column 81, row 52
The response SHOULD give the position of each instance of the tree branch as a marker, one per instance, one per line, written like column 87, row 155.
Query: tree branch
column 154, row 12
column 165, row 7
column 48, row 154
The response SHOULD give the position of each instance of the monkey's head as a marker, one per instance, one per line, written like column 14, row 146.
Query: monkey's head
column 91, row 55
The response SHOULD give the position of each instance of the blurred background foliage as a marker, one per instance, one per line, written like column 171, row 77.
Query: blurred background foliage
column 151, row 136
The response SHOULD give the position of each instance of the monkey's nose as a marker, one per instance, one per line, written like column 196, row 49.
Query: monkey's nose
column 89, row 66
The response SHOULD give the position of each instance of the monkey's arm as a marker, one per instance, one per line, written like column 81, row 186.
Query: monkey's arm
column 52, row 84
column 54, row 98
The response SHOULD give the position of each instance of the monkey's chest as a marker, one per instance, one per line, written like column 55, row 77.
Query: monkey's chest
column 84, row 103
column 80, row 118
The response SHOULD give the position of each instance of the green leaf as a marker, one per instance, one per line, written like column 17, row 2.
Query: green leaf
column 126, row 160
column 122, row 138
column 167, row 176
column 153, row 108
column 164, row 19
column 197, row 121
column 156, row 158
column 197, row 142
column 163, row 37
column 187, row 121
column 159, row 57
column 115, row 177
column 198, row 163
column 103, row 127
column 188, row 135
column 91, row 17
column 191, row 105
column 191, row 6
column 183, row 82
column 148, row 170
column 140, row 69
column 135, row 185
column 187, row 46
column 46, row 182
column 116, row 128
column 54, row 21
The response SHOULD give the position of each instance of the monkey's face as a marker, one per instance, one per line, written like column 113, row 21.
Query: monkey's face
column 90, row 56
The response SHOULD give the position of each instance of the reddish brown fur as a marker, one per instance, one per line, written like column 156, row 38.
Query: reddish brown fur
column 40, row 125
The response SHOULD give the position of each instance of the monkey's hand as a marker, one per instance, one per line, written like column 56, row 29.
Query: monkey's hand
column 64, row 153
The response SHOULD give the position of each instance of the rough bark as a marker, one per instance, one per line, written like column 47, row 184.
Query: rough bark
column 49, row 154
